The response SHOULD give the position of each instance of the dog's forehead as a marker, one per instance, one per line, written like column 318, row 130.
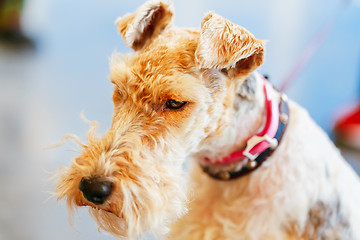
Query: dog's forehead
column 170, row 52
column 166, row 65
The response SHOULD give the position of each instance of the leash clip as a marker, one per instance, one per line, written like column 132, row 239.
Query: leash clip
column 255, row 140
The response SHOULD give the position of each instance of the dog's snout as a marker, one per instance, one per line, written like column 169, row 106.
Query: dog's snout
column 94, row 190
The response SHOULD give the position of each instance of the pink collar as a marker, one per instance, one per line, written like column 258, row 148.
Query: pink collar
column 261, row 141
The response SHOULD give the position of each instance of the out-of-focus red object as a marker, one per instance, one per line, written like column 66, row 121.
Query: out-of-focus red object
column 347, row 129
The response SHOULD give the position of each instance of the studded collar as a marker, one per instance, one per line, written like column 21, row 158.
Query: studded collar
column 259, row 147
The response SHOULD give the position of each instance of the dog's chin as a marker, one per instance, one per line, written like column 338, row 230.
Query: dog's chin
column 111, row 222
column 110, row 219
column 134, row 223
column 135, row 211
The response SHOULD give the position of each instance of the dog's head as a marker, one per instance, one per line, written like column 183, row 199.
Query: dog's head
column 172, row 96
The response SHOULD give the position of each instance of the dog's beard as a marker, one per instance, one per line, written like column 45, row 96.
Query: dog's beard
column 136, row 206
column 144, row 206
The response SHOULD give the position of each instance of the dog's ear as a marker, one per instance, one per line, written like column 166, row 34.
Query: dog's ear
column 226, row 46
column 137, row 29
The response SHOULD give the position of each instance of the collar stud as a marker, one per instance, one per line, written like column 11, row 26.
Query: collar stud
column 284, row 118
column 251, row 164
column 224, row 175
column 284, row 97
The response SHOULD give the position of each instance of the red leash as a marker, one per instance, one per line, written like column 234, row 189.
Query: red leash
column 311, row 49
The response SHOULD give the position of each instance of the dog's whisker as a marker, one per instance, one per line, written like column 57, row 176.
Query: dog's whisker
column 64, row 139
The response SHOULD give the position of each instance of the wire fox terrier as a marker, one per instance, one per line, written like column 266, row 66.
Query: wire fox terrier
column 262, row 169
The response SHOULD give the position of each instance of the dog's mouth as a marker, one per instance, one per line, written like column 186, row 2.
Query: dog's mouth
column 97, row 210
column 106, row 206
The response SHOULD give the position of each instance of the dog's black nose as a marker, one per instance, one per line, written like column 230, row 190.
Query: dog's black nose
column 94, row 190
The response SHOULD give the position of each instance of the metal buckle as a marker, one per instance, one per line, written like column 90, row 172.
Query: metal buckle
column 255, row 140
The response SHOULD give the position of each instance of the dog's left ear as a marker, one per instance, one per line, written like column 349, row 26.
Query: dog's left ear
column 139, row 28
column 224, row 45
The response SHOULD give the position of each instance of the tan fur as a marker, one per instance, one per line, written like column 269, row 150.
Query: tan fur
column 223, row 44
column 148, row 22
column 143, row 152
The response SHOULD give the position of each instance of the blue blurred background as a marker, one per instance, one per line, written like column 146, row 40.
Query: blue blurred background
column 43, row 91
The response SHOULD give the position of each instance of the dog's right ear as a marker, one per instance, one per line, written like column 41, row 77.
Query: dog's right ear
column 139, row 28
column 226, row 46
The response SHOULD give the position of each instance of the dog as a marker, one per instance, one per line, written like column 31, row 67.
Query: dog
column 260, row 167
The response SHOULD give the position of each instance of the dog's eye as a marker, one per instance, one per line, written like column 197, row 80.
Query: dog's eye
column 173, row 104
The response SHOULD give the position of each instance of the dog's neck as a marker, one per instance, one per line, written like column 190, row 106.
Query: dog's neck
column 248, row 118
